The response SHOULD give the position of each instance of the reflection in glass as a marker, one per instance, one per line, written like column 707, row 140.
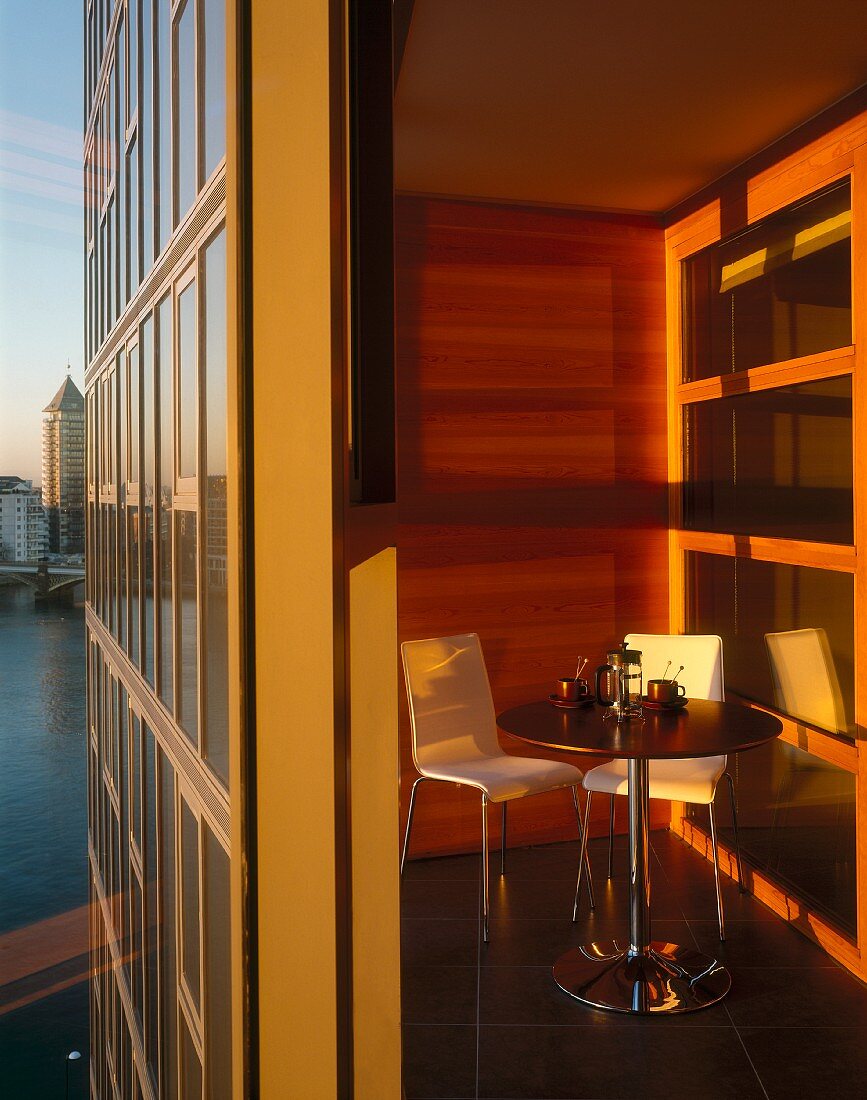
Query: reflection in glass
column 190, row 901
column 218, row 983
column 134, row 610
column 796, row 820
column 148, row 477
column 151, row 917
column 132, row 227
column 185, row 110
column 168, row 957
column 146, row 132
column 186, row 622
column 166, row 496
column 773, row 462
column 187, row 409
column 743, row 599
column 216, row 628
column 134, row 414
column 191, row 1066
column 163, row 13
column 778, row 291
column 214, row 13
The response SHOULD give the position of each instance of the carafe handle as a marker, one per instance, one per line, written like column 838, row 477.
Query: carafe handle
column 604, row 700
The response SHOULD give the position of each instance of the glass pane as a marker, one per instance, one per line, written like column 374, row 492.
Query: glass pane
column 214, row 13
column 163, row 73
column 122, row 584
column 190, row 900
column 135, row 793
column 192, row 1067
column 185, row 111
column 777, row 291
column 186, row 621
column 146, row 131
column 788, row 634
column 132, row 215
column 133, row 536
column 774, row 462
column 151, row 906
column 148, row 475
column 134, row 383
column 133, row 57
column 136, row 949
column 216, row 643
column 187, row 410
column 168, row 949
column 166, row 496
column 796, row 820
column 112, row 571
column 218, row 983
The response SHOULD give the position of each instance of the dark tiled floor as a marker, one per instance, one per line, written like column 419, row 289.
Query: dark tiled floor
column 486, row 1020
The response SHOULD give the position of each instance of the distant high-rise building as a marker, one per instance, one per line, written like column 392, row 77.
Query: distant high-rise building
column 63, row 469
column 23, row 529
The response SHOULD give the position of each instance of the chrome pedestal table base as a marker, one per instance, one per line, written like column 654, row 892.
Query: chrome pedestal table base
column 666, row 978
column 643, row 976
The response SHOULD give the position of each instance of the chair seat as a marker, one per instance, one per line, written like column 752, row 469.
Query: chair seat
column 505, row 777
column 692, row 780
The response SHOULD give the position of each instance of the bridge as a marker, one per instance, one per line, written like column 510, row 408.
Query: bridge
column 48, row 581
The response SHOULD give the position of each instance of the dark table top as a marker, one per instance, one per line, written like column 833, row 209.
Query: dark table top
column 702, row 728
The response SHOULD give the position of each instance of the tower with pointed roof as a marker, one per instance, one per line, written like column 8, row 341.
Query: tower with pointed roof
column 63, row 469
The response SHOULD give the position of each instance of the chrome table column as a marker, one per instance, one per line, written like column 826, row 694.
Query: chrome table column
column 646, row 976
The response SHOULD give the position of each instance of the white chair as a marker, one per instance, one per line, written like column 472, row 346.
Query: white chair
column 805, row 679
column 454, row 739
column 695, row 780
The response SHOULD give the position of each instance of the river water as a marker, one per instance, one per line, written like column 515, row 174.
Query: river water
column 43, row 849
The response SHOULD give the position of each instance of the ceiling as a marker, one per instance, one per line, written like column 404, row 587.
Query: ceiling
column 620, row 106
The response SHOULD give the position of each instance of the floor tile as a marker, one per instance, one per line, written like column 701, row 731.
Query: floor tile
column 571, row 1063
column 440, row 898
column 439, row 1062
column 439, row 942
column 528, row 996
column 813, row 1063
column 524, row 942
column 797, row 997
column 439, row 994
column 443, row 867
column 758, row 943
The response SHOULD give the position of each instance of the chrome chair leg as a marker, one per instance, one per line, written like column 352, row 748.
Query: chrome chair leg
column 420, row 779
column 485, row 867
column 582, row 858
column 719, row 904
column 741, row 881
column 577, row 806
column 503, row 841
column 610, row 835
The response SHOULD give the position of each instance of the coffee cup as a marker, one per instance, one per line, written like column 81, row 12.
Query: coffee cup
column 664, row 691
column 571, row 690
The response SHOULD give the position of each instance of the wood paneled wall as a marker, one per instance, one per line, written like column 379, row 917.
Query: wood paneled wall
column 532, row 477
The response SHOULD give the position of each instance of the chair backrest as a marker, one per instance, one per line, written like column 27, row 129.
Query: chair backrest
column 805, row 679
column 700, row 654
column 450, row 703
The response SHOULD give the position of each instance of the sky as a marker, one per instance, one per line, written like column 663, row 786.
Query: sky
column 41, row 249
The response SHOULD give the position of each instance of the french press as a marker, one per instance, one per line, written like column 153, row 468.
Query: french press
column 625, row 681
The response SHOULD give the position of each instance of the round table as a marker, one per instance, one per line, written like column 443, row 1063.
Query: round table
column 647, row 976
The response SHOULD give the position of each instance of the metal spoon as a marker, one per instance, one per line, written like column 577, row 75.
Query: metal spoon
column 583, row 661
column 677, row 674
column 667, row 667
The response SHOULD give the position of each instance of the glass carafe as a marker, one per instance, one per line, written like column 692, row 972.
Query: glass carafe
column 625, row 683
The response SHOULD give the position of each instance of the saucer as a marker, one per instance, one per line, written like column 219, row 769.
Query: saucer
column 571, row 704
column 678, row 704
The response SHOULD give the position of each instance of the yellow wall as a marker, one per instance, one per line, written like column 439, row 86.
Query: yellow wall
column 293, row 535
column 301, row 622
column 375, row 870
